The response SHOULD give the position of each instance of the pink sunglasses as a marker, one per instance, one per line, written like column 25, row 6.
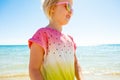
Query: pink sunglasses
column 68, row 6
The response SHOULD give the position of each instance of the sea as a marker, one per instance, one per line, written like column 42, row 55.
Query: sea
column 101, row 62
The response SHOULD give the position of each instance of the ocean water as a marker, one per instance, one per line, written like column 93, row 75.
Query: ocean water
column 14, row 61
column 97, row 62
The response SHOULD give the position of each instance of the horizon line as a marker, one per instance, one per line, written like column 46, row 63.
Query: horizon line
column 77, row 45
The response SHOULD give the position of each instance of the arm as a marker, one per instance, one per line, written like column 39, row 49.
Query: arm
column 36, row 58
column 78, row 72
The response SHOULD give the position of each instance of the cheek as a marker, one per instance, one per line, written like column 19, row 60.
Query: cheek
column 62, row 11
column 60, row 15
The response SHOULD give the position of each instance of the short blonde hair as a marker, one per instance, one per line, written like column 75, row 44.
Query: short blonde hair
column 47, row 7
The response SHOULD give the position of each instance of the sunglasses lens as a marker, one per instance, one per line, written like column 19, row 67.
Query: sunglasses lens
column 68, row 7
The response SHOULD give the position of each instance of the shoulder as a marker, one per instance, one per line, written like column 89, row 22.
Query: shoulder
column 39, row 37
column 42, row 31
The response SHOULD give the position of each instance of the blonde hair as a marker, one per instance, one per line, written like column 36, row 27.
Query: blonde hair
column 47, row 5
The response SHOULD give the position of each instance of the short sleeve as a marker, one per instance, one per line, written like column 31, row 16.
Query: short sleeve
column 39, row 38
column 73, row 42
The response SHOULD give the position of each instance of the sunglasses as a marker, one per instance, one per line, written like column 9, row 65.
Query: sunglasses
column 68, row 6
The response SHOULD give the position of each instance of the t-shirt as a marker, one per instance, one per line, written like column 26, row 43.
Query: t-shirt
column 58, row 63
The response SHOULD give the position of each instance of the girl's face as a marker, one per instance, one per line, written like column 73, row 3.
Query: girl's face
column 62, row 12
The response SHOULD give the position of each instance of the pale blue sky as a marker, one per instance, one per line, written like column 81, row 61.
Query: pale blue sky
column 93, row 21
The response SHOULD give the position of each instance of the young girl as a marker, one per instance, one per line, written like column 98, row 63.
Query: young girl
column 52, row 53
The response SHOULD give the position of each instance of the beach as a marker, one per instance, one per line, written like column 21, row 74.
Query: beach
column 86, row 77
column 97, row 62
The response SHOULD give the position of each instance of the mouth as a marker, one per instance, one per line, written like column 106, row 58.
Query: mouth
column 68, row 16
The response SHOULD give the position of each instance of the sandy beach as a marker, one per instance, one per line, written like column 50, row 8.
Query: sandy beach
column 86, row 77
column 101, row 77
column 14, row 77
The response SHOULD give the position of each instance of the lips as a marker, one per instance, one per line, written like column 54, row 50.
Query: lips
column 68, row 16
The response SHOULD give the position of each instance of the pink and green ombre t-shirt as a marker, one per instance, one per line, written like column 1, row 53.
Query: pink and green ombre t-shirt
column 58, row 63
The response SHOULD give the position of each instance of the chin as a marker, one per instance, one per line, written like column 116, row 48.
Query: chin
column 65, row 22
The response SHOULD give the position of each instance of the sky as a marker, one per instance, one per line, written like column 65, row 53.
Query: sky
column 94, row 22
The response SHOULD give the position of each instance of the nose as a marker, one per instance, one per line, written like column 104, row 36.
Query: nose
column 71, row 12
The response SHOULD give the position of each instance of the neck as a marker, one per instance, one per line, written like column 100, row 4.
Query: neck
column 55, row 26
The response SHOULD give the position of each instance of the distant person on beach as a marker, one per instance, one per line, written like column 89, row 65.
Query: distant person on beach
column 52, row 53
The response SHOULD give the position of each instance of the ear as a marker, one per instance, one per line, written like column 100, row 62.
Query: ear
column 52, row 9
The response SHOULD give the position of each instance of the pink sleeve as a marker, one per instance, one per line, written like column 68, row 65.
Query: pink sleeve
column 40, row 38
column 73, row 42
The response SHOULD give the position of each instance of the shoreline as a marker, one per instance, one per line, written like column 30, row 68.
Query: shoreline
column 101, row 77
column 85, row 77
column 13, row 75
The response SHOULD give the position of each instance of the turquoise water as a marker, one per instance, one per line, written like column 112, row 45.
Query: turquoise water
column 102, row 60
column 14, row 59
